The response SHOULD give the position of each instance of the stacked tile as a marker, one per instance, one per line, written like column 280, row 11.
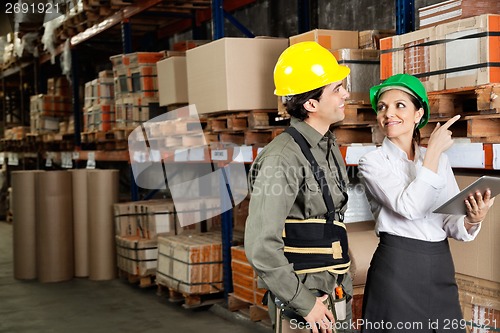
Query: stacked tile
column 431, row 53
column 191, row 263
column 99, row 104
column 344, row 44
column 453, row 10
column 245, row 279
column 48, row 110
column 136, row 88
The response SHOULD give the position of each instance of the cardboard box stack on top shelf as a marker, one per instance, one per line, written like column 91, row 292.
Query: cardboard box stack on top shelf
column 450, row 55
column 136, row 88
column 453, row 10
column 99, row 103
column 47, row 111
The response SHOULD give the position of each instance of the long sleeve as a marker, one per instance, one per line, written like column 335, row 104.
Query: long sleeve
column 273, row 194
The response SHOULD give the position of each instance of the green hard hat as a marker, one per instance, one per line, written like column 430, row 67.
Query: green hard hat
column 407, row 83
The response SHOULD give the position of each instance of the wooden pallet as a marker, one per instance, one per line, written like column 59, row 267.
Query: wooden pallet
column 189, row 301
column 479, row 100
column 359, row 114
column 252, row 311
column 245, row 120
column 478, row 128
column 142, row 281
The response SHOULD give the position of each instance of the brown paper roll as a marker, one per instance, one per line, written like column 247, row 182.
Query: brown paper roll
column 55, row 227
column 102, row 194
column 80, row 222
column 24, row 227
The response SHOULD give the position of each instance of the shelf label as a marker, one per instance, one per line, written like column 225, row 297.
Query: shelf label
column 219, row 155
column 197, row 154
column 66, row 160
column 76, row 155
column 466, row 155
column 91, row 160
column 154, row 155
column 243, row 154
column 13, row 159
column 181, row 155
column 496, row 156
column 354, row 153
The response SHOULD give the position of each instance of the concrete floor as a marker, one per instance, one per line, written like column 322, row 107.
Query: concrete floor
column 81, row 305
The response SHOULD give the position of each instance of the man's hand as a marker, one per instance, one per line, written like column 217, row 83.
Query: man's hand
column 320, row 315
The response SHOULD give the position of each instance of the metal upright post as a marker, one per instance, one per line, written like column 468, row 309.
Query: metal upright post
column 405, row 16
column 126, row 36
column 75, row 79
column 227, row 217
column 218, row 19
column 304, row 15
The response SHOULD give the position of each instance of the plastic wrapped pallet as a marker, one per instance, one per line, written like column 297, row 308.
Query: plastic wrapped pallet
column 191, row 263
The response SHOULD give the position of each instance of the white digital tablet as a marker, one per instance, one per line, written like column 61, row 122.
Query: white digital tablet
column 456, row 205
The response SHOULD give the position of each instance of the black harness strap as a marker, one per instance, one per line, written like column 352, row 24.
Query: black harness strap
column 319, row 174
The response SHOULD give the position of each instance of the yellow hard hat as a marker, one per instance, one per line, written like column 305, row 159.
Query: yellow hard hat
column 304, row 67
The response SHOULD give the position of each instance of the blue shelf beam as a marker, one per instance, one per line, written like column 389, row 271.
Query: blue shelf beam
column 238, row 25
column 126, row 36
column 405, row 16
column 304, row 15
column 218, row 19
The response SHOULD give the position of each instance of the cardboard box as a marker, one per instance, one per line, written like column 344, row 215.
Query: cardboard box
column 172, row 81
column 158, row 218
column 191, row 263
column 136, row 256
column 453, row 10
column 459, row 59
column 125, row 219
column 233, row 74
column 478, row 51
column 245, row 279
column 370, row 39
column 480, row 257
column 329, row 39
column 401, row 54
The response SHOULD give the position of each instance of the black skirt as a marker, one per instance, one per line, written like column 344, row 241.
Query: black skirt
column 411, row 287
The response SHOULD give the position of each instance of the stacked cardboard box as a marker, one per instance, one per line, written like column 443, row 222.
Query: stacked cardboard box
column 364, row 64
column 137, row 256
column 453, row 10
column 47, row 111
column 457, row 54
column 191, row 263
column 245, row 279
column 99, row 105
column 233, row 74
column 136, row 88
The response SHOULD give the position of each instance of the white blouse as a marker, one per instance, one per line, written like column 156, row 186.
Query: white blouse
column 403, row 194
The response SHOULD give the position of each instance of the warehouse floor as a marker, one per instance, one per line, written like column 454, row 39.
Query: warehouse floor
column 81, row 305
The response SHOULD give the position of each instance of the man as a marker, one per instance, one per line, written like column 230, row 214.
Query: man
column 294, row 238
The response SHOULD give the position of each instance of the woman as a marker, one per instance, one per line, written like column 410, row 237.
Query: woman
column 411, row 283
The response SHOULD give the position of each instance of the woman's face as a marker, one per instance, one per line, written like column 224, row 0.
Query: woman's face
column 397, row 115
